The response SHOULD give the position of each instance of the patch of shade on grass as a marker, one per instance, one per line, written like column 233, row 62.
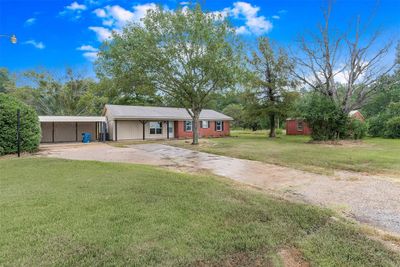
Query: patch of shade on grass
column 59, row 212
column 372, row 155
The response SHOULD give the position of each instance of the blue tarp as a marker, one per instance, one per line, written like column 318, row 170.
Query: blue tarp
column 86, row 137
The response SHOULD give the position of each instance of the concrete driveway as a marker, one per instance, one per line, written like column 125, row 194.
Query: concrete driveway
column 368, row 199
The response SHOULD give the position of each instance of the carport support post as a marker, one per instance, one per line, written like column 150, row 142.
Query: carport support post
column 52, row 133
column 144, row 129
column 76, row 131
column 104, row 131
column 116, row 130
column 167, row 129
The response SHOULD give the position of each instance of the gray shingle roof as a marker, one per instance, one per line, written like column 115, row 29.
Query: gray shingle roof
column 72, row 119
column 160, row 113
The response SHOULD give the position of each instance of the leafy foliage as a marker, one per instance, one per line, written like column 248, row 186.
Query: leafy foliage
column 29, row 131
column 356, row 129
column 237, row 113
column 325, row 118
column 384, row 123
column 6, row 81
column 270, row 82
column 392, row 127
column 186, row 55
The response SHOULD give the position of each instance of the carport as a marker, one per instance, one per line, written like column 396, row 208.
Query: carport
column 57, row 129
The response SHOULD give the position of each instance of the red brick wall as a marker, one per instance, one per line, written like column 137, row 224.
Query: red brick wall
column 358, row 116
column 203, row 132
column 291, row 128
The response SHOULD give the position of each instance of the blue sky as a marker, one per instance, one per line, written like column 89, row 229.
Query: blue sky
column 55, row 34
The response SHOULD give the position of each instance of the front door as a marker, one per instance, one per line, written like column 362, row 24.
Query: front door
column 171, row 129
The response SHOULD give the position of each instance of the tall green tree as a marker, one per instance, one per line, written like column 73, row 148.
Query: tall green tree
column 71, row 94
column 7, row 82
column 187, row 55
column 270, row 81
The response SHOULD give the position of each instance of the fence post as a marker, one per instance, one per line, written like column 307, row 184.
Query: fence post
column 18, row 132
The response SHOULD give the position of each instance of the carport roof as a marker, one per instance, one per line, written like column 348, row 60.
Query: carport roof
column 158, row 113
column 72, row 119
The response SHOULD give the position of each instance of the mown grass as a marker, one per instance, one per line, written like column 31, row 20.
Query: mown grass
column 372, row 155
column 74, row 213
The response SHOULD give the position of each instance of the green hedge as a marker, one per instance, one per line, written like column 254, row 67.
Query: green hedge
column 30, row 126
column 325, row 118
column 392, row 129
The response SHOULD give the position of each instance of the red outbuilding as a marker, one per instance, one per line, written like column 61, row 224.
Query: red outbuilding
column 300, row 127
column 297, row 127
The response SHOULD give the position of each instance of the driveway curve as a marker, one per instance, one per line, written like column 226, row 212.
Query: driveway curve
column 369, row 199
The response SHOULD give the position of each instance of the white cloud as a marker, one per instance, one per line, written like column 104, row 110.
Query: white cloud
column 255, row 24
column 30, row 21
column 115, row 17
column 90, row 52
column 118, row 16
column 100, row 12
column 276, row 17
column 76, row 6
column 92, row 56
column 74, row 10
column 87, row 48
column 282, row 11
column 242, row 30
column 38, row 45
column 101, row 33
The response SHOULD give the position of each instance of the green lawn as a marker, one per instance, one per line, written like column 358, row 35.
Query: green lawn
column 70, row 213
column 373, row 155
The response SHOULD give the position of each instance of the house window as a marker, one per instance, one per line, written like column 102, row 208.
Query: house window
column 205, row 124
column 188, row 126
column 155, row 127
column 218, row 126
column 300, row 126
column 171, row 128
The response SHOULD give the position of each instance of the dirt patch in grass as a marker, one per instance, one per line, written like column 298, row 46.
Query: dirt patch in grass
column 344, row 143
column 237, row 259
column 292, row 257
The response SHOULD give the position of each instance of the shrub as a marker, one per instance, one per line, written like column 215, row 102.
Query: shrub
column 376, row 125
column 30, row 127
column 392, row 129
column 278, row 131
column 325, row 118
column 356, row 129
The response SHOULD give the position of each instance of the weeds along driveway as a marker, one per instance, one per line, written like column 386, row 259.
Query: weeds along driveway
column 369, row 199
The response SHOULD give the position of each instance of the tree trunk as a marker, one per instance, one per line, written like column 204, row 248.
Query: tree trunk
column 195, row 126
column 272, row 125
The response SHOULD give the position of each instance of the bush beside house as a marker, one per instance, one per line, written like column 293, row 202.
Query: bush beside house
column 30, row 126
column 386, row 123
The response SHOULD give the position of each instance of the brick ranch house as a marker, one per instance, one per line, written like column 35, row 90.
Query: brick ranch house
column 120, row 122
column 299, row 126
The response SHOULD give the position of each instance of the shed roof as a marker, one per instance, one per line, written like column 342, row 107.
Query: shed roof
column 72, row 119
column 158, row 113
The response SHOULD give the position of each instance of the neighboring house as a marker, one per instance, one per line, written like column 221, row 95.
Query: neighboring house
column 121, row 122
column 300, row 127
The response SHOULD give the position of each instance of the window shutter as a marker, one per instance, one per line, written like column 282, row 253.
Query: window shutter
column 222, row 125
column 201, row 124
column 184, row 126
column 215, row 125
